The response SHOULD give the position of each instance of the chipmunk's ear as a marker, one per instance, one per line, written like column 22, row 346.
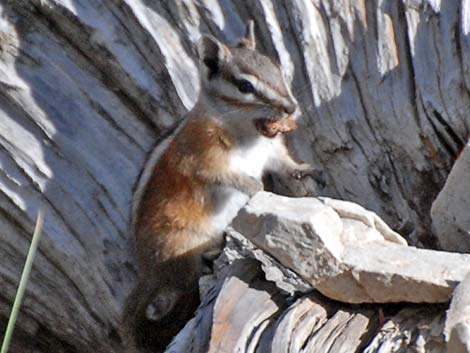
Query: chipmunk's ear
column 213, row 54
column 249, row 40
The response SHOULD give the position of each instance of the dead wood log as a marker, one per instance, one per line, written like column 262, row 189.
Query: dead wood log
column 88, row 88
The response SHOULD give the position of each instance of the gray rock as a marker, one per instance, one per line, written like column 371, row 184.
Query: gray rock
column 238, row 247
column 457, row 326
column 302, row 233
column 347, row 259
column 450, row 211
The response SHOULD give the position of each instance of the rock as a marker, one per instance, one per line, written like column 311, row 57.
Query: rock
column 302, row 233
column 344, row 257
column 450, row 210
column 457, row 325
column 352, row 211
column 390, row 273
column 459, row 340
column 238, row 247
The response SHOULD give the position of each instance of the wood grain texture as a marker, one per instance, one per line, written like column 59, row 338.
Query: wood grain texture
column 248, row 314
column 87, row 88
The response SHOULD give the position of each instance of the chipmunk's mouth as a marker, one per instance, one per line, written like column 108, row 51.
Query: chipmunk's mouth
column 270, row 127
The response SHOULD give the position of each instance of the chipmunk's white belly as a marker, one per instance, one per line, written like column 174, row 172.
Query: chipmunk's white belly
column 251, row 161
column 233, row 201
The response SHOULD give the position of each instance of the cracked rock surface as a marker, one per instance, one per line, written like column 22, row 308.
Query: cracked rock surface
column 450, row 211
column 457, row 326
column 344, row 258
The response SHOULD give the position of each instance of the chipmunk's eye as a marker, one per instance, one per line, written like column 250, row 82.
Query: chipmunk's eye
column 245, row 86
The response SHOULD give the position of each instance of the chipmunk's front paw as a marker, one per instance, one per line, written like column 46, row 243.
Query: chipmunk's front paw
column 253, row 186
column 304, row 170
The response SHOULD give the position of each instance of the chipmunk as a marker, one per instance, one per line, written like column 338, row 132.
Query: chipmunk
column 211, row 168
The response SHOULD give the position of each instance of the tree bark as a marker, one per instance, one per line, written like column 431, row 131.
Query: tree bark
column 88, row 88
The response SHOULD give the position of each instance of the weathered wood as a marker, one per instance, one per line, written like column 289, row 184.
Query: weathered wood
column 411, row 330
column 258, row 317
column 87, row 88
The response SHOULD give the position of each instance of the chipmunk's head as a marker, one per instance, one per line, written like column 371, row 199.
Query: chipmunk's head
column 241, row 80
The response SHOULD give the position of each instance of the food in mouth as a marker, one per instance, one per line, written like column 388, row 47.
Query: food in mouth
column 270, row 127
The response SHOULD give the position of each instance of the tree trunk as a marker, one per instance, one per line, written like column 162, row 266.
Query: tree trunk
column 88, row 88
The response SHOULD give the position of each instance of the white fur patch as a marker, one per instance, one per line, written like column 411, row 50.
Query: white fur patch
column 253, row 161
column 234, row 200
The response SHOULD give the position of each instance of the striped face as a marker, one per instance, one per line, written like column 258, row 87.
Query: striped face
column 242, row 78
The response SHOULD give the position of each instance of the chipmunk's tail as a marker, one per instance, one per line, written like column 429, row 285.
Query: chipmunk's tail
column 173, row 310
column 133, row 313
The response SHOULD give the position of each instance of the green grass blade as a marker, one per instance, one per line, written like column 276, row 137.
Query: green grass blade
column 23, row 281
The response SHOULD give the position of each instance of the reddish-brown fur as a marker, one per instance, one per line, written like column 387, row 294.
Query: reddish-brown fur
column 176, row 203
column 173, row 216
